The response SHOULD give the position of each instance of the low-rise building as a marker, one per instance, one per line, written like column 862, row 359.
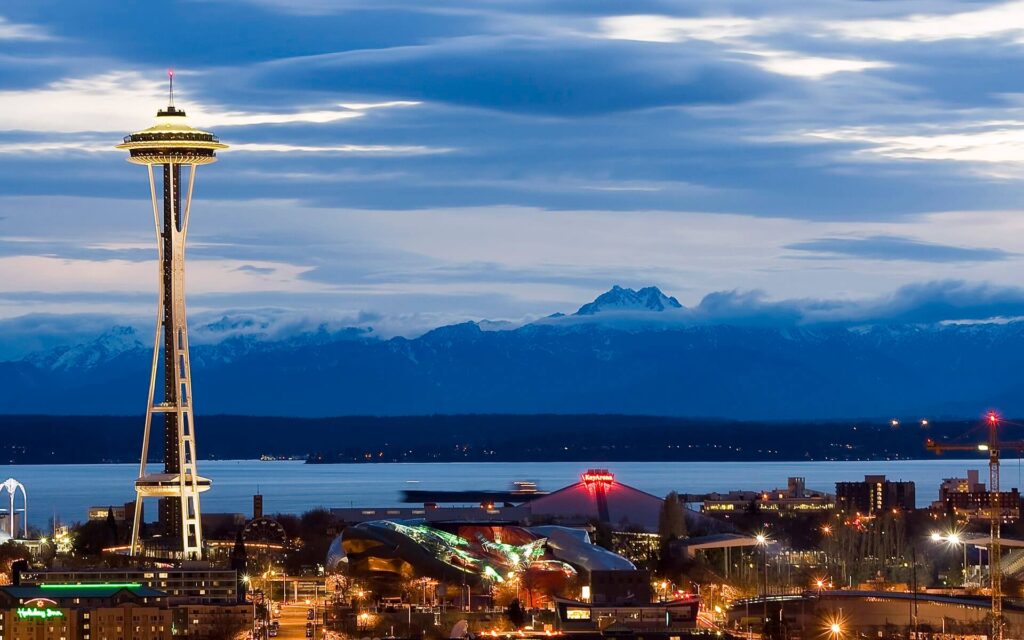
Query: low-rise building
column 182, row 585
column 627, row 619
column 795, row 498
column 211, row 621
column 84, row 612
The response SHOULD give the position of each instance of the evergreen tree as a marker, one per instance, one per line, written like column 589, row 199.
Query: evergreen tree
column 239, row 560
column 112, row 536
column 671, row 519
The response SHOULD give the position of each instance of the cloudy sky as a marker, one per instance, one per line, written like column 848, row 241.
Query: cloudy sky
column 409, row 163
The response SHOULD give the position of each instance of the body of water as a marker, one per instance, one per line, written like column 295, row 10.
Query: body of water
column 67, row 491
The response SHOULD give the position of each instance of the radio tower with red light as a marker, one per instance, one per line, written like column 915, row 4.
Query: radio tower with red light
column 171, row 144
column 993, row 509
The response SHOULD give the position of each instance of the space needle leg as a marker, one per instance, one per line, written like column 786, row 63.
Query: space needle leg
column 137, row 512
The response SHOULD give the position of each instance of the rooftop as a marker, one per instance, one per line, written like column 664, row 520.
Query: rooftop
column 65, row 591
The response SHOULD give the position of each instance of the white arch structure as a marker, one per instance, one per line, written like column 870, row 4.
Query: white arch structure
column 12, row 486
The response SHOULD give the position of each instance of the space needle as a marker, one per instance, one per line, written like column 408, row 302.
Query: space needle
column 169, row 145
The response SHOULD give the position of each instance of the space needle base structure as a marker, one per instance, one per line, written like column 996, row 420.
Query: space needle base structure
column 168, row 146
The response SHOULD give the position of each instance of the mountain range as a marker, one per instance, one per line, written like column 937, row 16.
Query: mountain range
column 627, row 352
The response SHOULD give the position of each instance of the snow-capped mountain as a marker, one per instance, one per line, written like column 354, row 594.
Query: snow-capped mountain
column 590, row 362
column 622, row 299
column 104, row 348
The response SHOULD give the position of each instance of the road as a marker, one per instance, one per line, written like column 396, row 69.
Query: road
column 293, row 621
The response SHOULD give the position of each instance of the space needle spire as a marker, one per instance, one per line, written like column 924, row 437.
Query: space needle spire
column 168, row 145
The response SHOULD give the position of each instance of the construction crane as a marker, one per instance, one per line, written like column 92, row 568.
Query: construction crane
column 993, row 509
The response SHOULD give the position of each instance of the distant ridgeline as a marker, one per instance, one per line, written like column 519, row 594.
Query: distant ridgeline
column 627, row 352
column 513, row 438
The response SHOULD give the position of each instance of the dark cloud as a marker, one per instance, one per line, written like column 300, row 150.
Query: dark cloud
column 897, row 248
column 251, row 268
column 569, row 77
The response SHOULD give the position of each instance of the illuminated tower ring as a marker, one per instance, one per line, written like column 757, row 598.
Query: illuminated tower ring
column 12, row 487
column 169, row 144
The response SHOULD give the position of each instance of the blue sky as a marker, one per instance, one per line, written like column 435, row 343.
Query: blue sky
column 406, row 164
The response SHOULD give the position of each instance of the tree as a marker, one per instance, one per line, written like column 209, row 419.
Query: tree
column 603, row 535
column 671, row 519
column 239, row 560
column 515, row 614
column 11, row 552
column 224, row 627
column 112, row 535
column 91, row 537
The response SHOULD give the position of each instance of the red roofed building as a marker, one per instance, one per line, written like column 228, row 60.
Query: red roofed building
column 599, row 496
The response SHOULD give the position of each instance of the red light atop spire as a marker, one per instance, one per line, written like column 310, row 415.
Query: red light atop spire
column 992, row 417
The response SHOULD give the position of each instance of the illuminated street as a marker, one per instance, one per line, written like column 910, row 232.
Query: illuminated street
column 293, row 622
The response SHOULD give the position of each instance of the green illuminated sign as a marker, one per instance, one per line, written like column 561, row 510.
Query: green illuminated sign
column 26, row 612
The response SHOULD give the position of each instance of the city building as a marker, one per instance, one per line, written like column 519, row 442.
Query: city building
column 544, row 559
column 968, row 498
column 875, row 494
column 102, row 513
column 210, row 621
column 599, row 497
column 795, row 498
column 191, row 585
column 122, row 512
column 84, row 612
column 196, row 602
column 971, row 484
column 615, row 620
column 168, row 145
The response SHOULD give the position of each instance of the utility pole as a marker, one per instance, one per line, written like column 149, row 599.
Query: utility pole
column 993, row 509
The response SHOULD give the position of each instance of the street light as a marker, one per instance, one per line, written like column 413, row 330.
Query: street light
column 954, row 539
column 762, row 541
column 834, row 625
